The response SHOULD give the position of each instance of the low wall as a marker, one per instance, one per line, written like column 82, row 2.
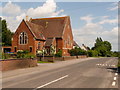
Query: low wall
column 11, row 64
column 52, row 59
column 82, row 56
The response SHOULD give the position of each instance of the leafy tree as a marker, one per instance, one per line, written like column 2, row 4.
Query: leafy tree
column 102, row 47
column 107, row 45
column 92, row 53
column 116, row 54
column 6, row 33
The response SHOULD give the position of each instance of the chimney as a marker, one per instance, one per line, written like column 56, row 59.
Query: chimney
column 30, row 20
column 26, row 18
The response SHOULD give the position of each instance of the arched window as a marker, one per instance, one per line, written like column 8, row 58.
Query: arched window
column 23, row 38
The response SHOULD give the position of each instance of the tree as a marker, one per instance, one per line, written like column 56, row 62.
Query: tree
column 102, row 47
column 77, row 51
column 92, row 53
column 6, row 34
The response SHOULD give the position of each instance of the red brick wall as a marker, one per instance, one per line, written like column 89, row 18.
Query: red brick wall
column 41, row 44
column 52, row 59
column 18, row 63
column 59, row 44
column 67, row 39
column 31, row 41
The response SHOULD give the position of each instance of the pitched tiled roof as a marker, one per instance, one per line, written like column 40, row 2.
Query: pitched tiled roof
column 37, row 30
column 48, row 41
column 53, row 27
column 75, row 44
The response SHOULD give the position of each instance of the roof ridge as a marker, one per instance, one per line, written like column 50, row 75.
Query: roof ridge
column 50, row 18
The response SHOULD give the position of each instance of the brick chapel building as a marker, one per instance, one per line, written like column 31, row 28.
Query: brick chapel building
column 44, row 33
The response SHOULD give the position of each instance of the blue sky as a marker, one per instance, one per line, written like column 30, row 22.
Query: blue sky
column 89, row 20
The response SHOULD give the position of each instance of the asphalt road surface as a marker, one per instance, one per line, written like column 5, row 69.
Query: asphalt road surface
column 90, row 73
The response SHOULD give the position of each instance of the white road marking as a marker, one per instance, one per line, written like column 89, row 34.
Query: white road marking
column 103, row 64
column 51, row 82
column 115, row 78
column 113, row 83
column 116, row 74
column 106, row 64
column 100, row 64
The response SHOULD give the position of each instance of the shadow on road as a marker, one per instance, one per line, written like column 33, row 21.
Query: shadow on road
column 113, row 70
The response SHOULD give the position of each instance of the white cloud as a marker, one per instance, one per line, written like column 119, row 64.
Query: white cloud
column 22, row 16
column 113, row 33
column 11, row 9
column 58, row 12
column 87, row 18
column 90, row 31
column 105, row 17
column 114, row 7
column 48, row 9
column 15, row 14
column 11, row 22
column 109, row 21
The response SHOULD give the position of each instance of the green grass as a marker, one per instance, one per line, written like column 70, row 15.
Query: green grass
column 44, row 62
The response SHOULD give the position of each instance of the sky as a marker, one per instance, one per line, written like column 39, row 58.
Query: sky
column 89, row 20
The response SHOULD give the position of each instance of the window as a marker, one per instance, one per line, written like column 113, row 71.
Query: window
column 15, row 49
column 23, row 38
column 30, row 49
column 39, row 46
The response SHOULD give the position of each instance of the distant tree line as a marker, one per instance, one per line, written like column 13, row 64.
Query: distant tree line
column 6, row 34
column 100, row 49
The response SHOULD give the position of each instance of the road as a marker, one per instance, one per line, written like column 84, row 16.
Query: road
column 89, row 73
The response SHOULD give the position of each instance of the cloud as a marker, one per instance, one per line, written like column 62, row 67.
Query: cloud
column 113, row 33
column 12, row 23
column 114, row 7
column 11, row 9
column 109, row 21
column 87, row 18
column 14, row 14
column 19, row 18
column 48, row 9
column 90, row 31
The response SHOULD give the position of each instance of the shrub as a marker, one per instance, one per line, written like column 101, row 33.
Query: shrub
column 59, row 53
column 5, row 56
column 25, row 54
column 29, row 55
column 92, row 53
column 77, row 51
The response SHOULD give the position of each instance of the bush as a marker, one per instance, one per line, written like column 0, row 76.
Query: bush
column 92, row 53
column 5, row 56
column 25, row 54
column 59, row 53
column 77, row 51
column 29, row 55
